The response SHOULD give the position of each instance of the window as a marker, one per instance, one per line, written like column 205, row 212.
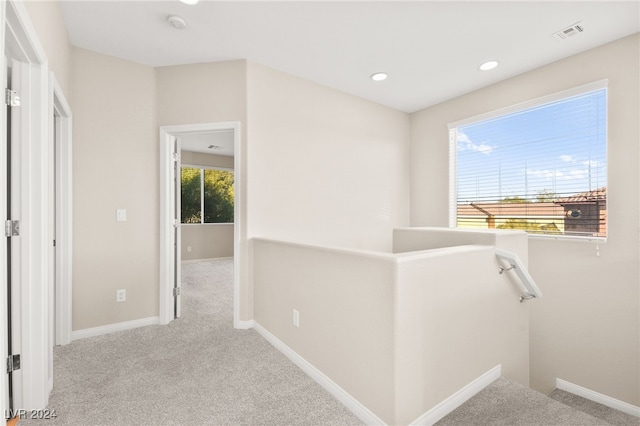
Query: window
column 539, row 167
column 209, row 191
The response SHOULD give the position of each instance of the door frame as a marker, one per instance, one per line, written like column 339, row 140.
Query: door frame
column 167, row 238
column 60, row 154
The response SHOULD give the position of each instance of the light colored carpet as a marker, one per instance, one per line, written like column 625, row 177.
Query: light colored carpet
column 198, row 370
column 510, row 404
column 600, row 411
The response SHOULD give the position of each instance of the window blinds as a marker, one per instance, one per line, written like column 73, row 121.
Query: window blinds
column 542, row 168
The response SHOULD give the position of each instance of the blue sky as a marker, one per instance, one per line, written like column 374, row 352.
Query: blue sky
column 558, row 147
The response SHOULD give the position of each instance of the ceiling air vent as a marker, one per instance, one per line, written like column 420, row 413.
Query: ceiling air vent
column 568, row 32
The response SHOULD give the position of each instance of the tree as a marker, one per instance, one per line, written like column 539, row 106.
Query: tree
column 531, row 227
column 190, row 195
column 520, row 224
column 514, row 199
column 218, row 196
column 546, row 196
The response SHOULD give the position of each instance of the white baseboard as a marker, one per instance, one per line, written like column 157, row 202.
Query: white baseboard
column 362, row 412
column 457, row 399
column 243, row 325
column 206, row 259
column 111, row 328
column 594, row 396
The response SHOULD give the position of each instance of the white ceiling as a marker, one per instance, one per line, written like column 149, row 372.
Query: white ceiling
column 217, row 143
column 431, row 50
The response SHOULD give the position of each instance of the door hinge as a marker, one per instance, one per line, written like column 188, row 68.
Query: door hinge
column 11, row 98
column 12, row 228
column 176, row 156
column 176, row 223
column 13, row 363
column 176, row 291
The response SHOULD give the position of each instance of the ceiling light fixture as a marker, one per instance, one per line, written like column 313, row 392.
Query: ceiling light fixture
column 177, row 22
column 489, row 65
column 189, row 2
column 379, row 76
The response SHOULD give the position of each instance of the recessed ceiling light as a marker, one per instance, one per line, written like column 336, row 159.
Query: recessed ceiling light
column 177, row 22
column 379, row 76
column 489, row 65
column 189, row 2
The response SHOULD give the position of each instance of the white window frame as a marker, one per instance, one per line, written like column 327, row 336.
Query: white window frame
column 453, row 126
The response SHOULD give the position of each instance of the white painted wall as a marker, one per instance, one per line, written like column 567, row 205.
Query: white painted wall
column 115, row 165
column 208, row 240
column 586, row 329
column 400, row 333
column 325, row 167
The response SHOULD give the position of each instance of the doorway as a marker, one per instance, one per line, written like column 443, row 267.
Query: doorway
column 170, row 235
column 61, row 208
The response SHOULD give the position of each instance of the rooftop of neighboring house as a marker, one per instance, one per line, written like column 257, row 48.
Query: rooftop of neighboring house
column 515, row 209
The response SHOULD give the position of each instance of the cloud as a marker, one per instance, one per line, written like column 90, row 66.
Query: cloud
column 566, row 158
column 592, row 163
column 546, row 173
column 572, row 174
column 465, row 143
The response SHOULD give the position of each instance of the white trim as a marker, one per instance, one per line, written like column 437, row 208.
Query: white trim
column 4, row 382
column 64, row 214
column 594, row 396
column 166, row 234
column 167, row 242
column 207, row 259
column 21, row 43
column 362, row 412
column 112, row 328
column 444, row 408
column 453, row 178
column 244, row 325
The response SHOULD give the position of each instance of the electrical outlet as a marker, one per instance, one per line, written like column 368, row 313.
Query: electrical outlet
column 121, row 295
column 189, row 249
column 296, row 318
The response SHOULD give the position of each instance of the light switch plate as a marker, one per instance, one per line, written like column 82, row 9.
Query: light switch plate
column 121, row 215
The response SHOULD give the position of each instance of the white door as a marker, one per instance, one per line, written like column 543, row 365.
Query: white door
column 12, row 231
column 177, row 219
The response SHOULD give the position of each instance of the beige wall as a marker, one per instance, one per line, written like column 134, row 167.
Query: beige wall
column 46, row 17
column 399, row 333
column 586, row 328
column 326, row 167
column 206, row 241
column 115, row 166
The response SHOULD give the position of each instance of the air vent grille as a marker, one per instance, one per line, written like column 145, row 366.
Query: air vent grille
column 568, row 32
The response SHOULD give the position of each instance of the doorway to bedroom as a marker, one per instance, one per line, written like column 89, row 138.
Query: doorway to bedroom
column 200, row 217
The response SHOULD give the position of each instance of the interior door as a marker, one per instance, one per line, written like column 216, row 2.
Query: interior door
column 177, row 219
column 12, row 230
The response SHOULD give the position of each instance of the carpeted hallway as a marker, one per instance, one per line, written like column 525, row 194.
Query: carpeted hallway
column 198, row 370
